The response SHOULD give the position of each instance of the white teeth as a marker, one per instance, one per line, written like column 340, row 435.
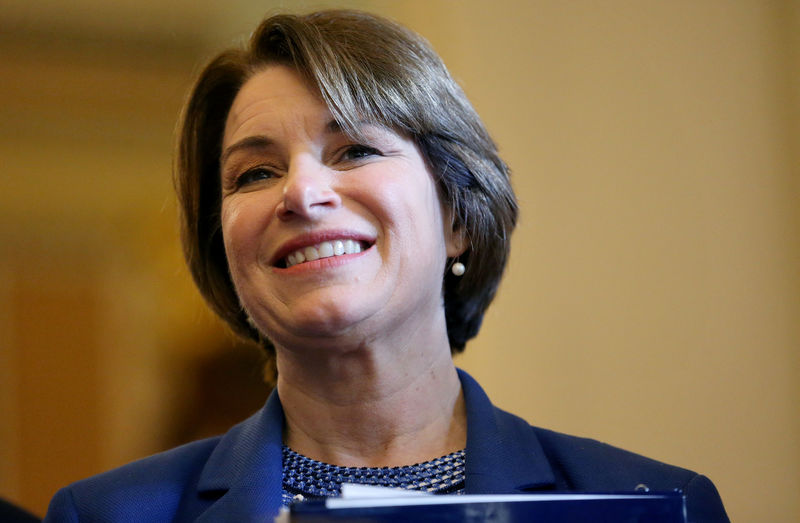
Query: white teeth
column 323, row 250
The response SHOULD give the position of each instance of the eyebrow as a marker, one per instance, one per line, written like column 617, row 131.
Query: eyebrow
column 334, row 127
column 262, row 142
column 250, row 142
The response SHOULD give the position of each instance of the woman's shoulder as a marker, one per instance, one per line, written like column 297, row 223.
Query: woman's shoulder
column 587, row 465
column 181, row 483
column 588, row 461
column 581, row 463
column 146, row 486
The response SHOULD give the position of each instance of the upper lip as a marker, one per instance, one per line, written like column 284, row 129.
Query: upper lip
column 313, row 238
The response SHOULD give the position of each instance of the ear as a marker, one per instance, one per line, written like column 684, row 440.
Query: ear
column 455, row 239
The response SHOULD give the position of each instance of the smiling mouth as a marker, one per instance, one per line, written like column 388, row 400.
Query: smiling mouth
column 323, row 250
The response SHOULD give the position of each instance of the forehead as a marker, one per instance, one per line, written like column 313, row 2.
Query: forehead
column 275, row 94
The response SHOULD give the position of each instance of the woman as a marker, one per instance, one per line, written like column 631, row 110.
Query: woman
column 344, row 206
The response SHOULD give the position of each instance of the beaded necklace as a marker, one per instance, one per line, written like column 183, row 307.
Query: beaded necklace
column 305, row 478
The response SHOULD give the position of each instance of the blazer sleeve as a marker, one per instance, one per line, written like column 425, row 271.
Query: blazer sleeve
column 62, row 508
column 703, row 503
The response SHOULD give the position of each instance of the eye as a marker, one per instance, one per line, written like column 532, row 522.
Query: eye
column 358, row 152
column 253, row 175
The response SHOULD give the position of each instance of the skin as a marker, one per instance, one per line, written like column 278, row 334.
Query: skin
column 365, row 374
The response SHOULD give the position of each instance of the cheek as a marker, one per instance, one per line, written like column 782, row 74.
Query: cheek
column 411, row 215
column 229, row 217
column 404, row 193
column 419, row 208
column 239, row 233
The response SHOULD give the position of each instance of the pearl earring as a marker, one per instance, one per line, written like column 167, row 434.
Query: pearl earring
column 458, row 268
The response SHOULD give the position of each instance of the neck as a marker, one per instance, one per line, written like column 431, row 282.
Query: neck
column 373, row 406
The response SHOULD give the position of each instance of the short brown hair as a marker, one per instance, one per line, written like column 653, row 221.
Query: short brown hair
column 366, row 68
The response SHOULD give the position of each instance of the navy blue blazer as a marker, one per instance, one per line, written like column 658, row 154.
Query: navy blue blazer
column 237, row 476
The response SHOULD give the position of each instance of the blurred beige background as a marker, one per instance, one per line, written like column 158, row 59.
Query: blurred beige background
column 653, row 296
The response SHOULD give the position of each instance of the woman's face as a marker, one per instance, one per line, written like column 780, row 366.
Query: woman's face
column 327, row 236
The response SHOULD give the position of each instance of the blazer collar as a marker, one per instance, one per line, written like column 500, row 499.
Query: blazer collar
column 503, row 452
column 503, row 456
column 245, row 468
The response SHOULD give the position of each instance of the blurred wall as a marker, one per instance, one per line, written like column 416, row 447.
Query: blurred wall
column 653, row 296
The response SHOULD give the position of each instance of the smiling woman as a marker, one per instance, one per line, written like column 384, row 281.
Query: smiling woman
column 304, row 188
column 344, row 205
column 372, row 76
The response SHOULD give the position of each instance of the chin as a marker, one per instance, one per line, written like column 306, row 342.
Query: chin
column 322, row 321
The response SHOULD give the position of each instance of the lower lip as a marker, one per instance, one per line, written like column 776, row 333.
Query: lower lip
column 321, row 264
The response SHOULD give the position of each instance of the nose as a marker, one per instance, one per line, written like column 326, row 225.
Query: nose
column 307, row 191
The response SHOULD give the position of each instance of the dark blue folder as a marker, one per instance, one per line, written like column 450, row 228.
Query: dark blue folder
column 668, row 507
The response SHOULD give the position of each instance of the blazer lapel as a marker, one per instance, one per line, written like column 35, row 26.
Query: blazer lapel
column 503, row 453
column 246, row 469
